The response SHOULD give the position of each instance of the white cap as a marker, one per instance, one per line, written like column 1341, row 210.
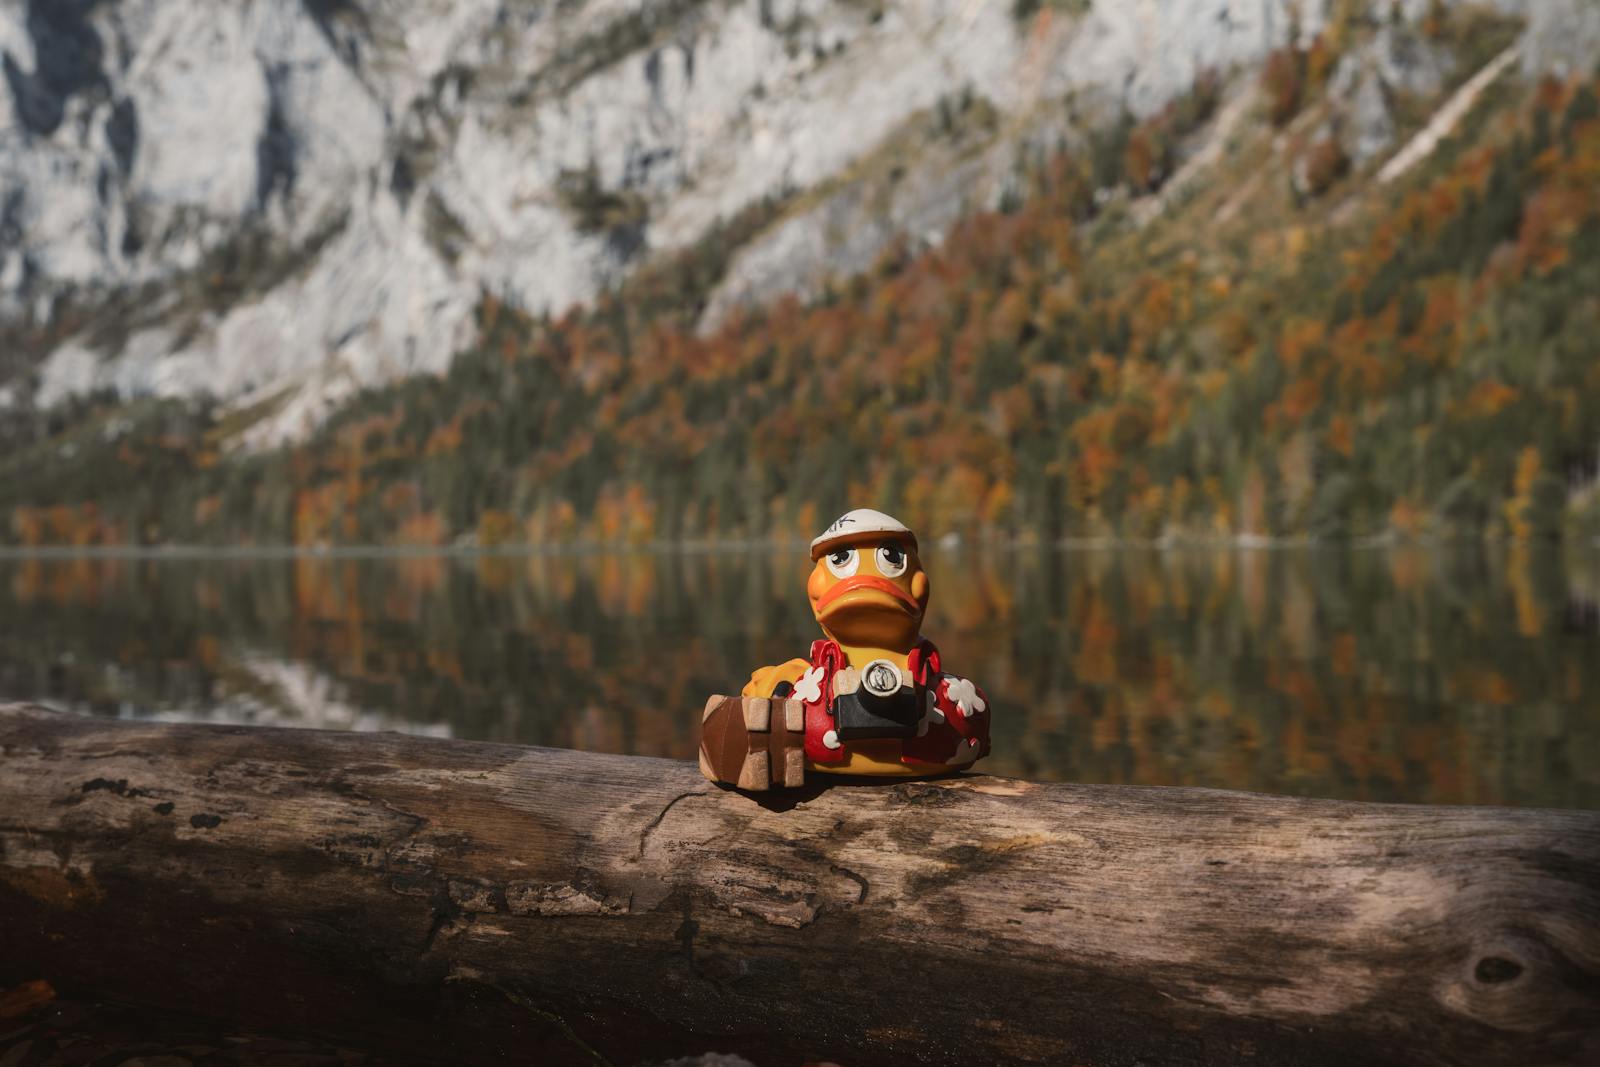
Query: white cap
column 857, row 523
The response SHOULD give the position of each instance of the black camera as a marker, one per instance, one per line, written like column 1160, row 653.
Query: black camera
column 877, row 702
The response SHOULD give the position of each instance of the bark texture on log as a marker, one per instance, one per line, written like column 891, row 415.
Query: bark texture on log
column 562, row 906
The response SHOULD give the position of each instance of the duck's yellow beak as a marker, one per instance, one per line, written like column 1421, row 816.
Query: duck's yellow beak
column 859, row 602
column 865, row 590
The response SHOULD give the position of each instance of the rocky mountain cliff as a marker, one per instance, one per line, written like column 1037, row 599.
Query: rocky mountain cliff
column 279, row 202
column 1333, row 275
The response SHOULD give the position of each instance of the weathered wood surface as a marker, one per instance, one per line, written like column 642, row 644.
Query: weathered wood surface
column 559, row 906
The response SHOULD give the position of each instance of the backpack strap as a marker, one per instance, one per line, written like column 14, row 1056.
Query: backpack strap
column 923, row 662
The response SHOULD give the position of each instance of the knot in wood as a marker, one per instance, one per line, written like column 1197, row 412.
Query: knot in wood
column 923, row 794
column 1493, row 970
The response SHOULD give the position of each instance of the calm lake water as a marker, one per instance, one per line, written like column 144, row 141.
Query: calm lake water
column 1423, row 675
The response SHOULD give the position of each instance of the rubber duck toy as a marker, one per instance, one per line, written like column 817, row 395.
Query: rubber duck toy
column 872, row 699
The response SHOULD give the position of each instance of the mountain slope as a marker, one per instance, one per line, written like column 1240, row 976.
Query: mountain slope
column 291, row 199
column 1212, row 316
column 278, row 202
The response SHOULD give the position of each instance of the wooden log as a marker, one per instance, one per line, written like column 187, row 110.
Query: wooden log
column 459, row 897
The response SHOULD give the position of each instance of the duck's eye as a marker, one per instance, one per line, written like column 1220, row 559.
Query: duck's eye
column 891, row 561
column 843, row 562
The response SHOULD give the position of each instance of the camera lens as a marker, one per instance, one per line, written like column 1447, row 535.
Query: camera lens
column 881, row 678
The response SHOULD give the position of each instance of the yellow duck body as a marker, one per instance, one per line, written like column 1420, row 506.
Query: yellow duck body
column 852, row 600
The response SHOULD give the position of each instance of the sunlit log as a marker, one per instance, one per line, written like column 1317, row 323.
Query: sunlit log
column 453, row 894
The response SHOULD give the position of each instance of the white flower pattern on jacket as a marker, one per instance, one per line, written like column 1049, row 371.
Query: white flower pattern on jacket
column 964, row 695
column 808, row 689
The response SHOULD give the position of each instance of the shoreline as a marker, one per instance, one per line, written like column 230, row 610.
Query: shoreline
column 1240, row 543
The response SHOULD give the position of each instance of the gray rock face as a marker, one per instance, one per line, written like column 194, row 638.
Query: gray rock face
column 1398, row 60
column 277, row 202
column 1563, row 36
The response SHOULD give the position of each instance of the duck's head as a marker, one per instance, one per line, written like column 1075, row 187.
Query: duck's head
column 868, row 588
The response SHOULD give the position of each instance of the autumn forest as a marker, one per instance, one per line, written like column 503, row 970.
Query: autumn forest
column 1285, row 346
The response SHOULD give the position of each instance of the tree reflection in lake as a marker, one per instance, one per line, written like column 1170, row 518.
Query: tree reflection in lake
column 1413, row 674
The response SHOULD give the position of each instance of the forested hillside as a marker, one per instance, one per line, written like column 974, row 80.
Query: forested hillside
column 1210, row 322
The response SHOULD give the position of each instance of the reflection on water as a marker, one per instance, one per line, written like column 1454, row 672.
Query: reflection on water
column 1411, row 674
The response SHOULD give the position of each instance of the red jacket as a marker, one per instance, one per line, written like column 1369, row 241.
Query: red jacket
column 955, row 727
